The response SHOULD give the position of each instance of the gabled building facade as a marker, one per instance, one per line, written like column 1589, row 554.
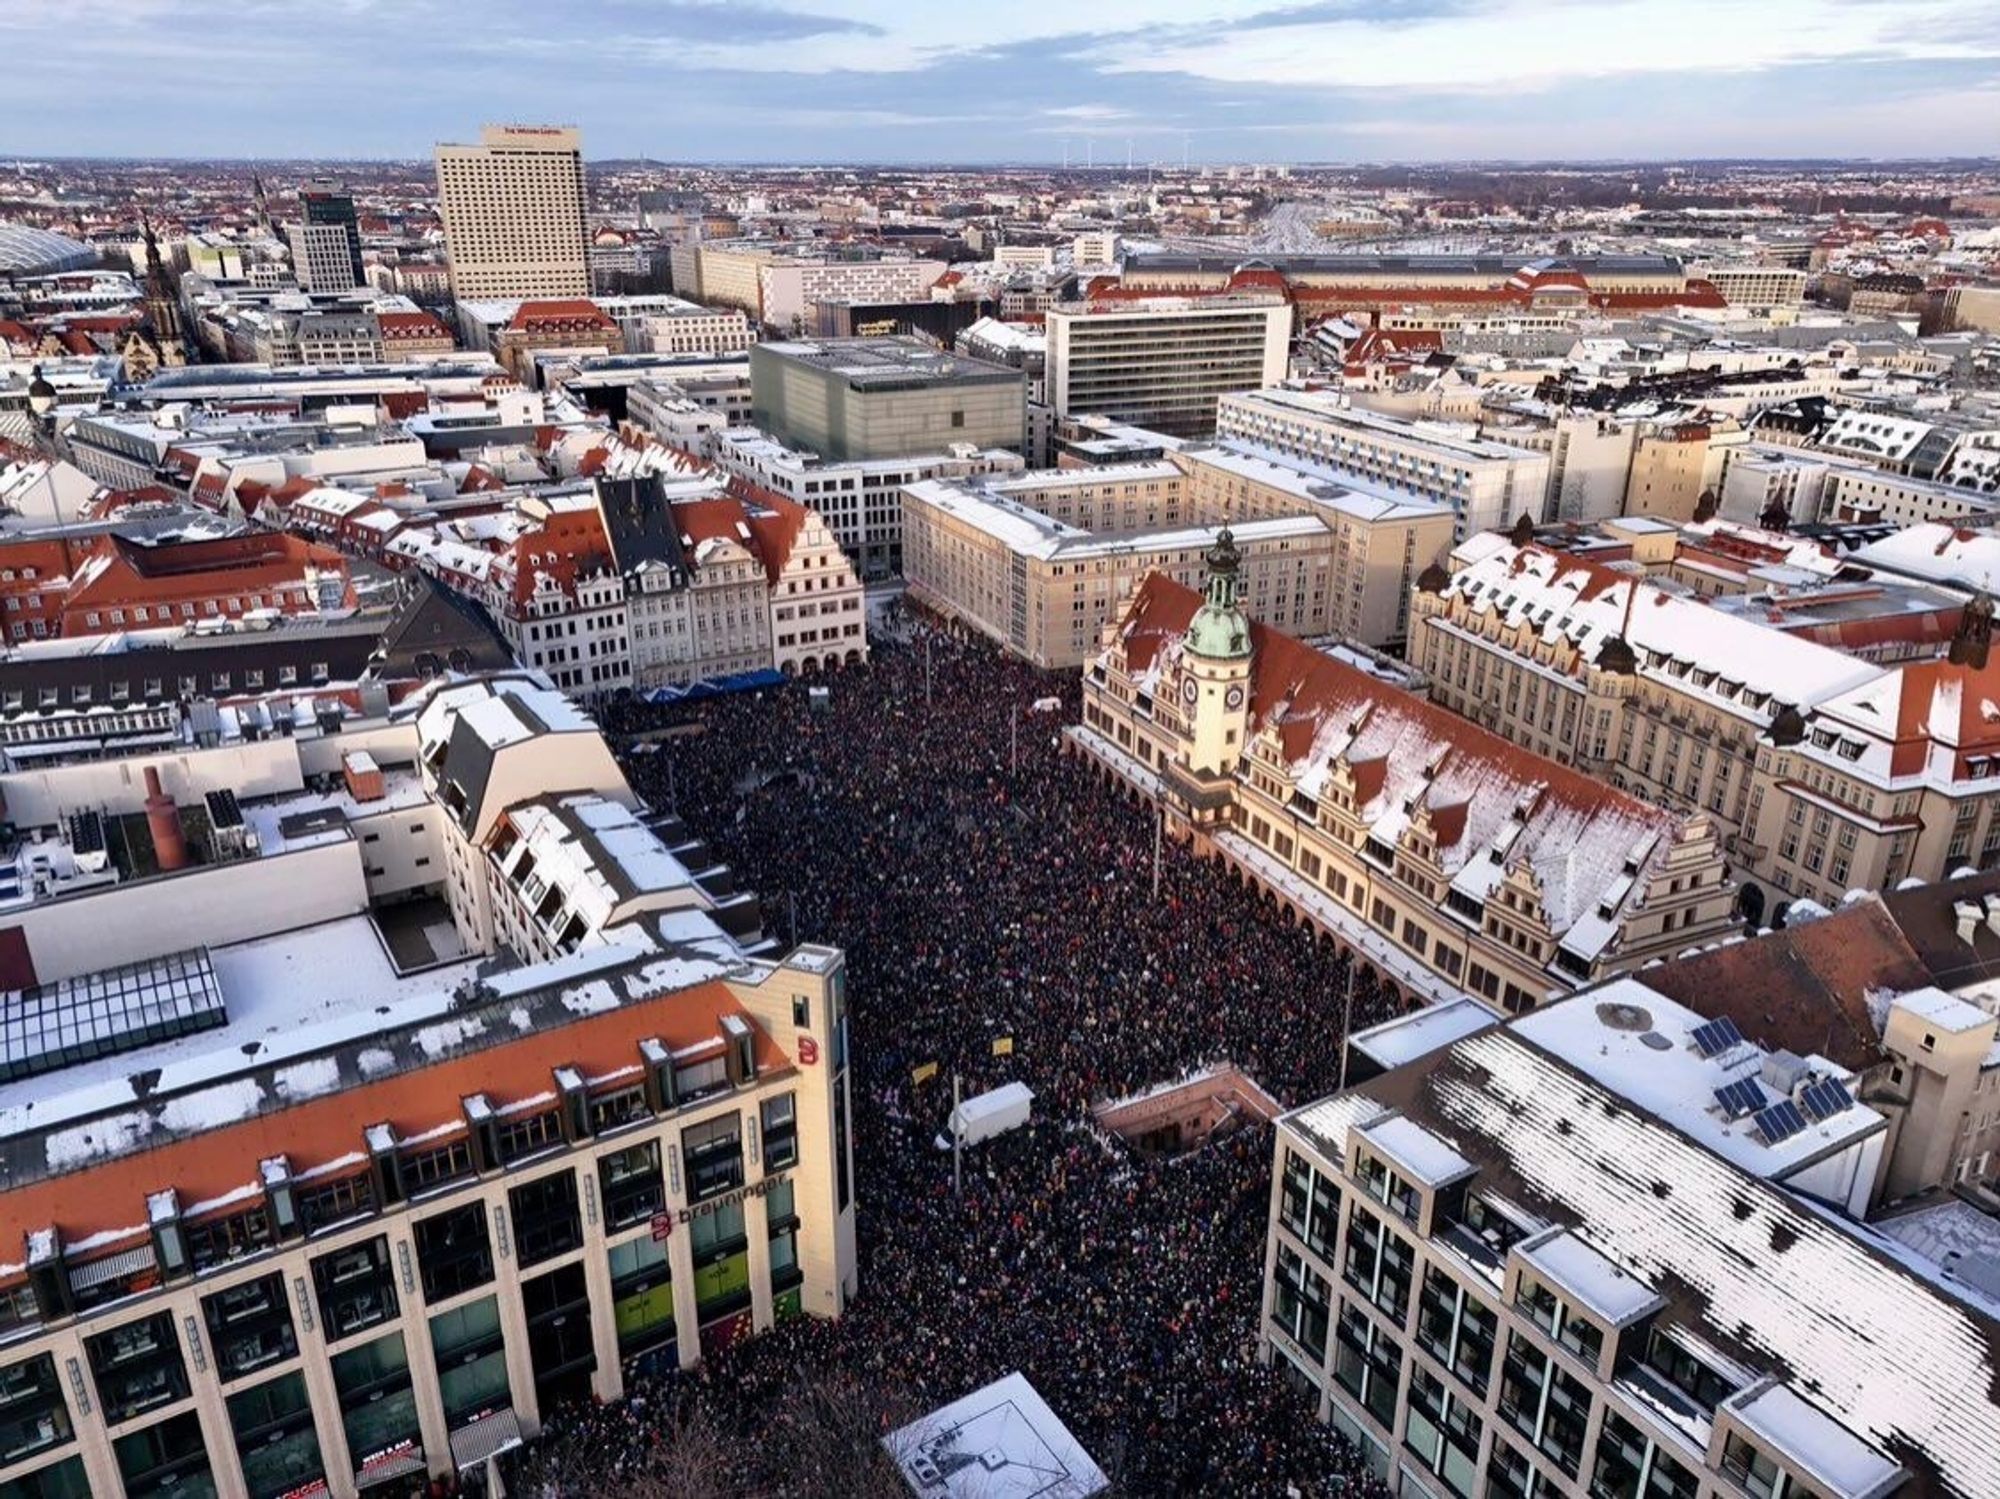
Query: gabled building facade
column 1448, row 859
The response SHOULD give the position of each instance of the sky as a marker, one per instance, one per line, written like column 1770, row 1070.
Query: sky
column 1008, row 81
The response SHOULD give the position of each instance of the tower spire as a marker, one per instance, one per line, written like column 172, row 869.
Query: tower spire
column 1974, row 636
column 1219, row 629
column 163, row 308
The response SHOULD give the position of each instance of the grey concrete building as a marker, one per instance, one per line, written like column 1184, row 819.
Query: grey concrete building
column 883, row 398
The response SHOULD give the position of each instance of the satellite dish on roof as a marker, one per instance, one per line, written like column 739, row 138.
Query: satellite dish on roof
column 1623, row 1017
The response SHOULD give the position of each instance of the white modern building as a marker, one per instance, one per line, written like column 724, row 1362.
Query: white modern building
column 1486, row 484
column 1162, row 362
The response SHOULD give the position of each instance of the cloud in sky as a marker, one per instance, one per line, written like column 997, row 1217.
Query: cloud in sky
column 920, row 80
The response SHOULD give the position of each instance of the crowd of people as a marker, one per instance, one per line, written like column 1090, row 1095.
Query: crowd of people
column 987, row 886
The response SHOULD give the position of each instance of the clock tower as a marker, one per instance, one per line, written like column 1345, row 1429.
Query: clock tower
column 1215, row 667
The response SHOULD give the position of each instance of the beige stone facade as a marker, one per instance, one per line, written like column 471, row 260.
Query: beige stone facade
column 513, row 213
column 325, row 1329
column 1045, row 590
column 1042, row 562
column 1825, row 773
column 367, row 1221
column 1470, row 1270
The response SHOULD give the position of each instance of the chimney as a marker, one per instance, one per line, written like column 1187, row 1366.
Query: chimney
column 1969, row 913
column 1993, row 914
column 164, row 819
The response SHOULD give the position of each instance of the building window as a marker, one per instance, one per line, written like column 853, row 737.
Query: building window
column 1509, row 1475
column 454, row 1252
column 1544, row 1403
column 378, row 1405
column 422, row 1169
column 249, row 1326
column 1300, row 1305
column 546, row 1222
column 1378, row 1264
column 1456, row 1329
column 714, row 1154
column 1442, row 1432
column 527, row 1134
column 1386, row 1187
column 1630, row 1465
column 323, row 1207
column 722, row 1265
column 780, row 1132
column 220, row 1240
column 356, row 1288
column 1760, row 1477
column 560, row 1342
column 471, row 1361
column 273, row 1426
column 1558, row 1319
column 610, row 1111
column 169, row 1458
column 34, row 1418
column 1368, row 1364
column 631, row 1185
column 137, row 1367
column 642, row 1295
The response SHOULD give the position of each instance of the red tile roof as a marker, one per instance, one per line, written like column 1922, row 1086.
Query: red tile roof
column 217, row 1161
column 411, row 327
column 572, row 315
column 1409, row 751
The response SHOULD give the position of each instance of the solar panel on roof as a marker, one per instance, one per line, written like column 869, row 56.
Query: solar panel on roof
column 223, row 810
column 1716, row 1036
column 1824, row 1098
column 1741, row 1097
column 1780, row 1121
column 86, row 831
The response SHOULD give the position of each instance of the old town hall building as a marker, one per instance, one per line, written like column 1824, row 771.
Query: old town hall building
column 1446, row 857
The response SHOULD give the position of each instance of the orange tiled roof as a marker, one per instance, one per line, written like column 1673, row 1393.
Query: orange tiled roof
column 569, row 315
column 1390, row 736
column 320, row 1130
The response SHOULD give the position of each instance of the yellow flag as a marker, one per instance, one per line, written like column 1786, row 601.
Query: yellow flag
column 923, row 1074
column 1003, row 1046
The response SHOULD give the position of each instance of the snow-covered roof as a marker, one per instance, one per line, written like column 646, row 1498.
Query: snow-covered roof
column 1942, row 1011
column 1581, row 1275
column 1732, row 662
column 1313, row 485
column 1404, row 1038
column 1420, row 1155
column 1832, row 1455
column 1768, row 1279
column 999, row 1442
column 1937, row 553
column 592, row 856
column 1875, row 434
column 1605, row 1031
column 1492, row 808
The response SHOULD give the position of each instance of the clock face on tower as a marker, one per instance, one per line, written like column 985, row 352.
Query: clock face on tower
column 1189, row 687
column 1233, row 699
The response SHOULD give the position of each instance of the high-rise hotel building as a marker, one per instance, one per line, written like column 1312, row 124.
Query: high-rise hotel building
column 513, row 211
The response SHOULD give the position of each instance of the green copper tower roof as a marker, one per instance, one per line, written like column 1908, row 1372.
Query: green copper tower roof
column 1219, row 630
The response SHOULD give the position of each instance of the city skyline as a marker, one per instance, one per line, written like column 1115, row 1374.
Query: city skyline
column 867, row 81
